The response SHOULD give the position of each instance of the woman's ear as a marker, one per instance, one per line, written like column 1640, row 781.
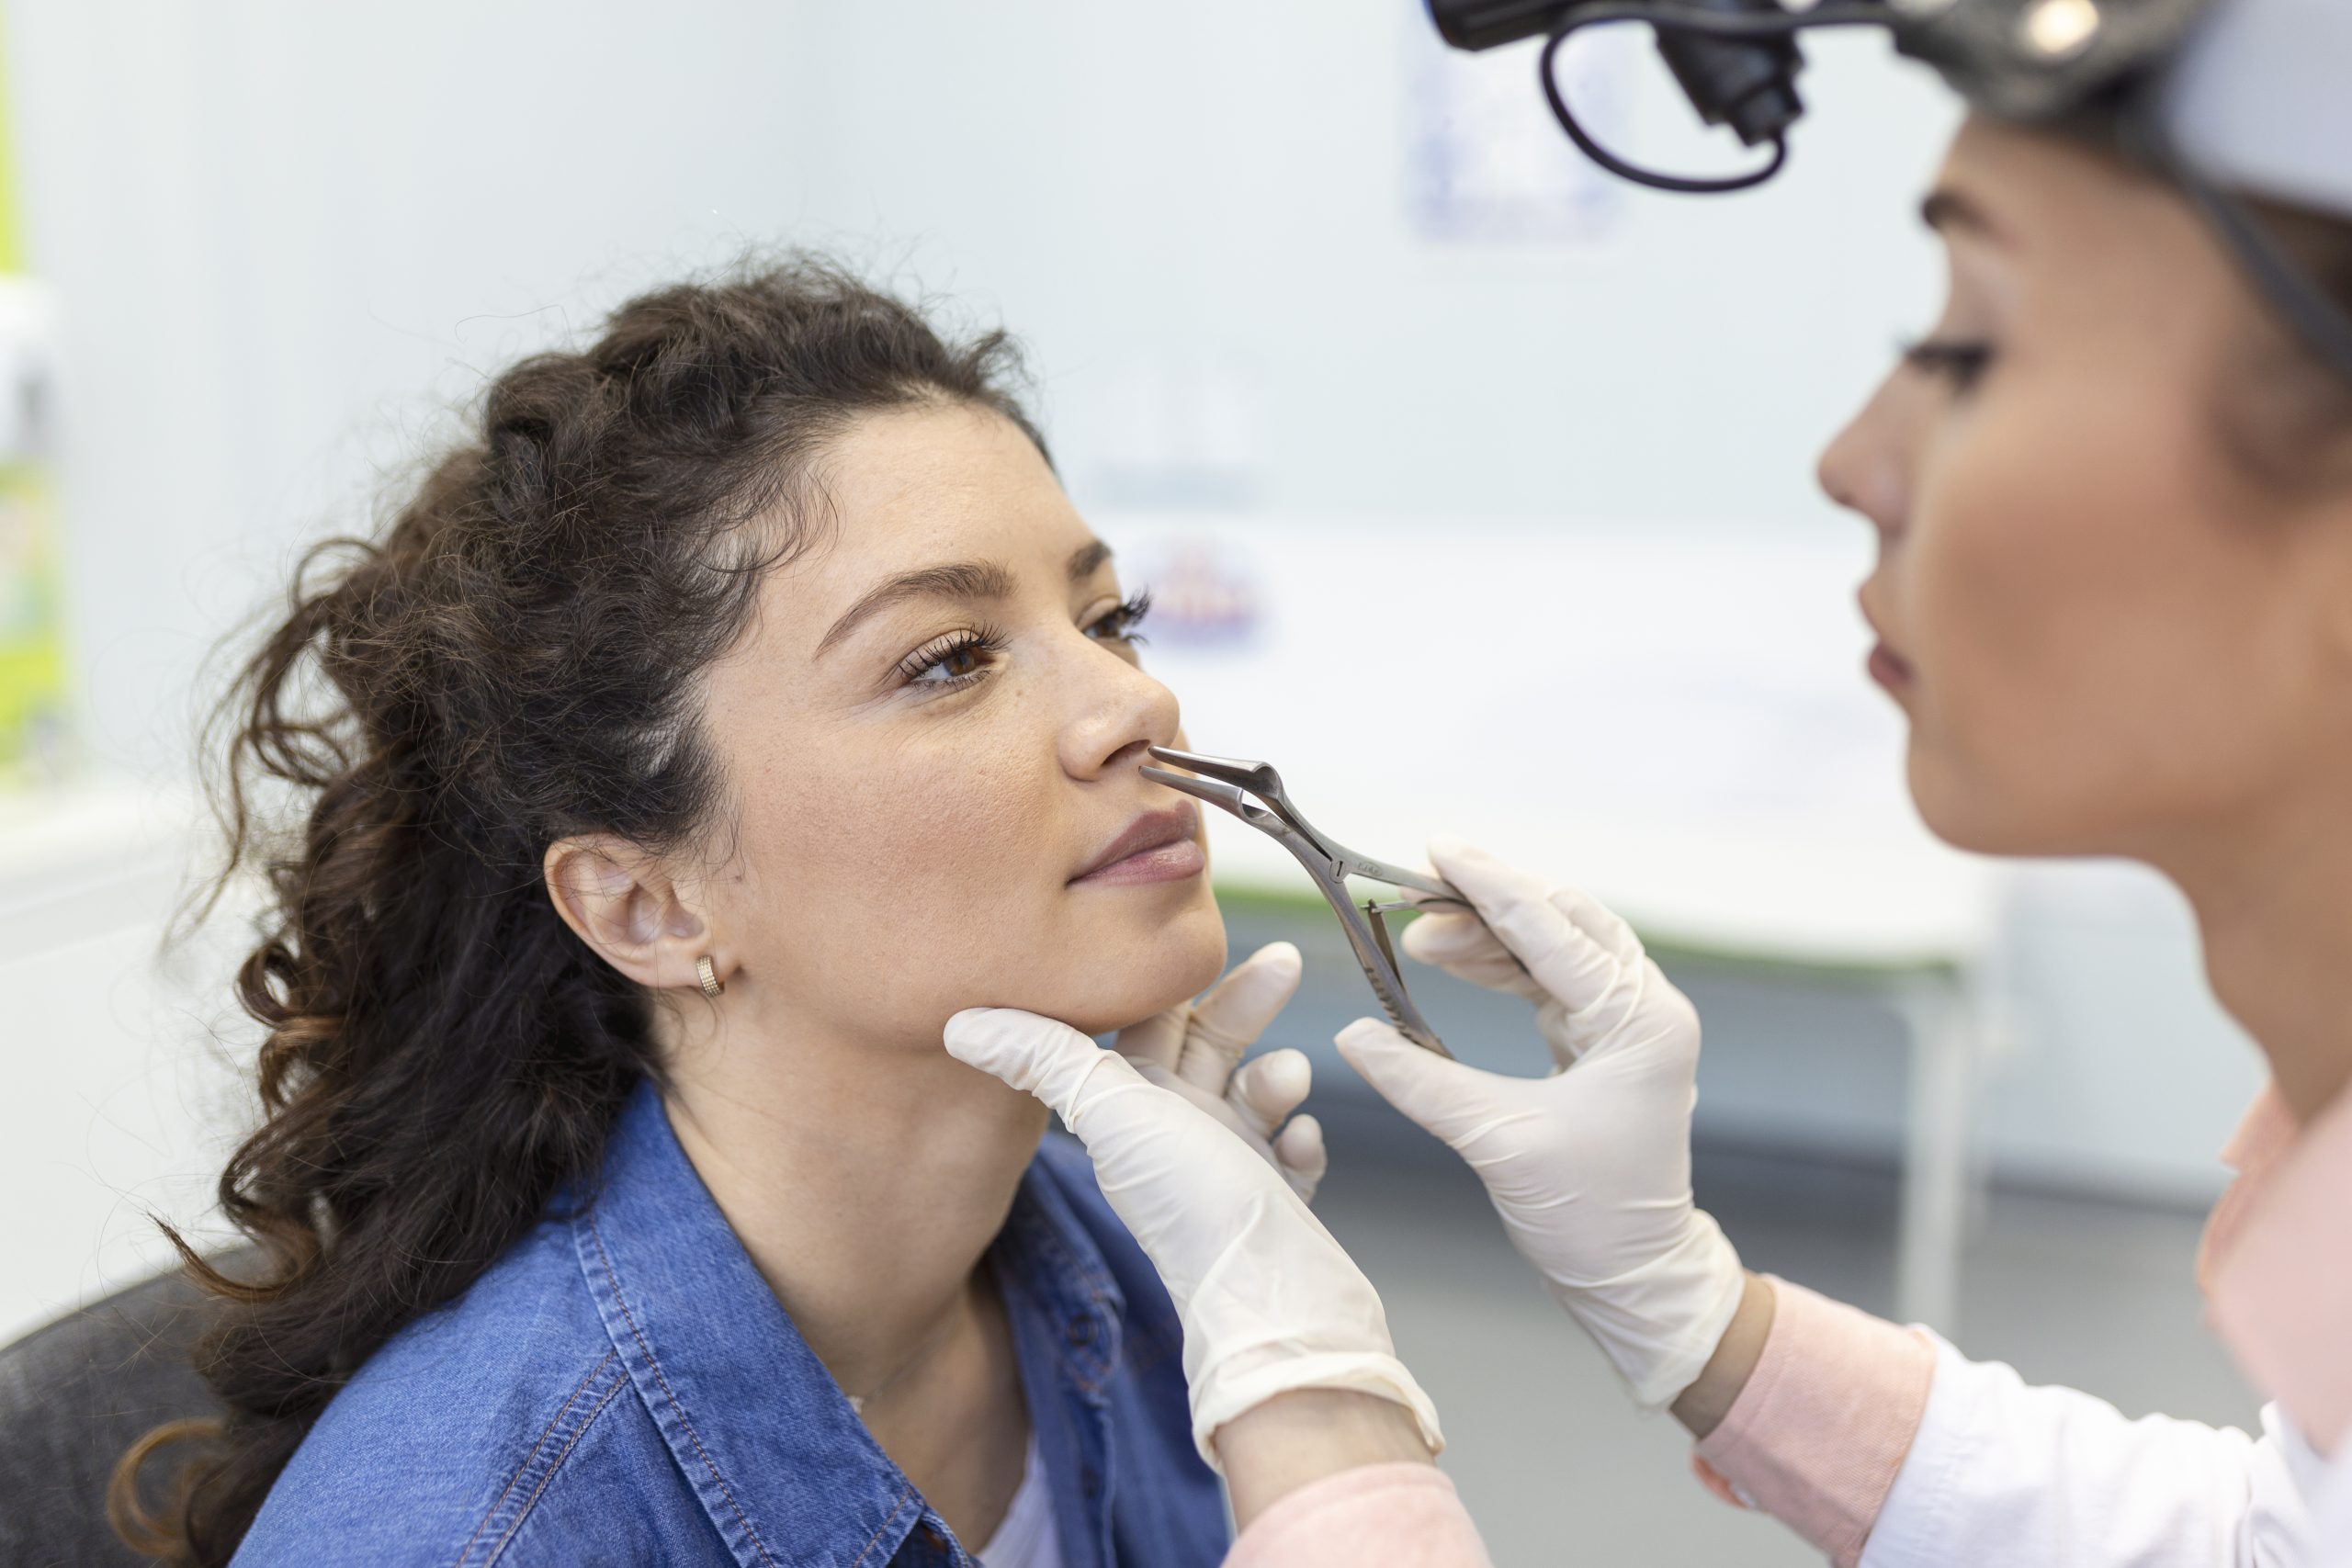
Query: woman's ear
column 622, row 902
column 2314, row 540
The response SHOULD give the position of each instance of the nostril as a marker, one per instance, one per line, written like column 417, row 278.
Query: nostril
column 1136, row 752
column 1875, row 499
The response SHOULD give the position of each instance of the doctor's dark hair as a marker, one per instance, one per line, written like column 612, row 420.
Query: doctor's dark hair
column 2285, row 414
column 2280, row 414
column 510, row 661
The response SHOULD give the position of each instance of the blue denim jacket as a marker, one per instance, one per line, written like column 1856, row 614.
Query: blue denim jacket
column 622, row 1387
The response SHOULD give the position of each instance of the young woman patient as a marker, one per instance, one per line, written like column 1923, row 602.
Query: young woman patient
column 743, row 699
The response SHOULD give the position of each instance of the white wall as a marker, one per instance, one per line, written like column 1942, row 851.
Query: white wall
column 1226, row 184
column 286, row 234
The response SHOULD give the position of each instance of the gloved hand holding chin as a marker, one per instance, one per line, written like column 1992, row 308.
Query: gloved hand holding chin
column 1197, row 1160
column 1194, row 1050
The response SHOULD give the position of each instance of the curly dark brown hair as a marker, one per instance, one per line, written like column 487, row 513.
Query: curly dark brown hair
column 511, row 660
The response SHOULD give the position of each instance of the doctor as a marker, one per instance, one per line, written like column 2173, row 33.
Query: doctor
column 2112, row 495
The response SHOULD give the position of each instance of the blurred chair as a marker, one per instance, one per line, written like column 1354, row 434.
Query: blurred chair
column 74, row 1396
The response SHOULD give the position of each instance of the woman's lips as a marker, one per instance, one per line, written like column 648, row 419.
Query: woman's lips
column 1889, row 670
column 1888, row 667
column 1158, row 846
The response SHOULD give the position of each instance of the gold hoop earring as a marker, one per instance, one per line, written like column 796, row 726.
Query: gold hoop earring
column 712, row 985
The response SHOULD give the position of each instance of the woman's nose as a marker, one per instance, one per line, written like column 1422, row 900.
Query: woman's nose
column 1866, row 467
column 1118, row 712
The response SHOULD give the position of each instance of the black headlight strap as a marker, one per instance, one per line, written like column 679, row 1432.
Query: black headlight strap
column 2319, row 322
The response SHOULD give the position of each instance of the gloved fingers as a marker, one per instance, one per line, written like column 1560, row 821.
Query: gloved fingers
column 1039, row 1057
column 1581, row 909
column 1157, row 1040
column 1222, row 1020
column 1227, row 1020
column 1454, row 1103
column 1458, row 941
column 1599, row 922
column 1448, row 935
column 1269, row 1088
column 1300, row 1153
column 1568, row 960
column 1177, row 1158
column 1561, row 1037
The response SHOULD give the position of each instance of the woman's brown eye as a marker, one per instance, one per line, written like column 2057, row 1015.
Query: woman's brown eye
column 958, row 662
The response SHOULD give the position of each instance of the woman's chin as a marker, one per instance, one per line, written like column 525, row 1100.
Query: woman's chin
column 1988, row 816
column 1177, row 962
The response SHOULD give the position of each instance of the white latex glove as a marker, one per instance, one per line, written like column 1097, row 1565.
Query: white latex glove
column 1269, row 1301
column 1590, row 1168
column 1195, row 1046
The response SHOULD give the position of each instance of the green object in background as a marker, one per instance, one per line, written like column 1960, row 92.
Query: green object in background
column 33, row 675
column 32, row 647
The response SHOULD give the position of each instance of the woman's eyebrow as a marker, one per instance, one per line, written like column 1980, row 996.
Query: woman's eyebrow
column 961, row 580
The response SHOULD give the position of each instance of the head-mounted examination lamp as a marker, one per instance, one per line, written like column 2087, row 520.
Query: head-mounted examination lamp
column 2226, row 97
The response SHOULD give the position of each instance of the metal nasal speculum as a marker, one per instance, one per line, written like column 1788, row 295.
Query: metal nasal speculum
column 1229, row 783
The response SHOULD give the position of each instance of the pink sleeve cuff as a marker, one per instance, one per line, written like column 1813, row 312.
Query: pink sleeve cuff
column 1817, row 1436
column 1379, row 1516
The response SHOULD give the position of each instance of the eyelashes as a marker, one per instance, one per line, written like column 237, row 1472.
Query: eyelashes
column 1119, row 622
column 942, row 653
column 959, row 659
column 1962, row 365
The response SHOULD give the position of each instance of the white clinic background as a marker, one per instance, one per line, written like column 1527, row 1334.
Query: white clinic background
column 286, row 236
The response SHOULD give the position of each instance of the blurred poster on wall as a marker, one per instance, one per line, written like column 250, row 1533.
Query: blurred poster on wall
column 32, row 653
column 1487, row 161
column 1210, row 596
column 33, row 728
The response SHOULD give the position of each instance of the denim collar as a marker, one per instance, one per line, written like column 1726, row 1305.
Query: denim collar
column 784, row 1468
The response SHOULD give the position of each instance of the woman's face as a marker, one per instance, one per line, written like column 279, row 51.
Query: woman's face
column 2107, row 638
column 932, row 733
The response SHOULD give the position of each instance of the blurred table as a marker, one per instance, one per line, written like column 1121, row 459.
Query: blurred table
column 1673, row 717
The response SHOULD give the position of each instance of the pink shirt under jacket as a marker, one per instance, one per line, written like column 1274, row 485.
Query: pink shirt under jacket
column 1884, row 1446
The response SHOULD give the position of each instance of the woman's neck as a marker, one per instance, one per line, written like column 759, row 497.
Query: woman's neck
column 866, row 1179
column 2274, row 908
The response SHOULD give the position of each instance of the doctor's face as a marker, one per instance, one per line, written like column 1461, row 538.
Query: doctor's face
column 933, row 733
column 2110, row 631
